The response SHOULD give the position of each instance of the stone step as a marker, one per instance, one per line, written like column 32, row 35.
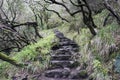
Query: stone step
column 63, row 63
column 67, row 43
column 62, row 52
column 71, row 49
column 55, row 67
column 66, row 50
column 65, row 39
column 73, row 64
column 57, row 73
column 76, row 49
column 56, row 47
column 46, row 78
column 60, row 57
column 66, row 47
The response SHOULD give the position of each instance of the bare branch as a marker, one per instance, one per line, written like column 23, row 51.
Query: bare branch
column 47, row 2
column 77, row 5
column 54, row 12
column 58, row 14
column 5, row 14
column 58, row 3
column 111, row 9
column 107, row 17
column 26, row 23
column 1, row 4
column 74, row 13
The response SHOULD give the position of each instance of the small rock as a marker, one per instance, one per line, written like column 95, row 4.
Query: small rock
column 79, row 75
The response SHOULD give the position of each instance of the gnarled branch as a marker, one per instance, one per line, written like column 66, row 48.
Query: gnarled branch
column 112, row 10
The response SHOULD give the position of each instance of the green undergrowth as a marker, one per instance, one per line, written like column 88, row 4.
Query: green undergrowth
column 99, row 18
column 103, row 48
column 95, row 51
column 104, row 38
column 35, row 55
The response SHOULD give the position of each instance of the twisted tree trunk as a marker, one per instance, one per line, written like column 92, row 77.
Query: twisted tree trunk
column 10, row 60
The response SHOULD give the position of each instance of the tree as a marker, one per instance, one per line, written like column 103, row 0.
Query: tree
column 112, row 10
column 83, row 7
column 12, row 28
column 10, row 60
column 40, row 13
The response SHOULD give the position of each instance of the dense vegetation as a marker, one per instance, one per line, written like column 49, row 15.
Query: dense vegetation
column 26, row 35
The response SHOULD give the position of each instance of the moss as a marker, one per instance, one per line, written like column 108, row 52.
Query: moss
column 28, row 54
column 42, row 47
column 83, row 74
column 9, row 60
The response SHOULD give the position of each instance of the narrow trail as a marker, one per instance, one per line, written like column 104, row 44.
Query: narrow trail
column 62, row 64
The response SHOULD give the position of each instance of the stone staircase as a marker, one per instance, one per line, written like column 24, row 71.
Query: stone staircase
column 62, row 64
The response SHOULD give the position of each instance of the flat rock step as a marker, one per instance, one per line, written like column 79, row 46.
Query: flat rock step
column 57, row 73
column 55, row 67
column 71, row 49
column 62, row 52
column 62, row 45
column 65, row 39
column 67, row 43
column 60, row 57
column 63, row 63
column 66, row 50
column 69, row 46
column 46, row 78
